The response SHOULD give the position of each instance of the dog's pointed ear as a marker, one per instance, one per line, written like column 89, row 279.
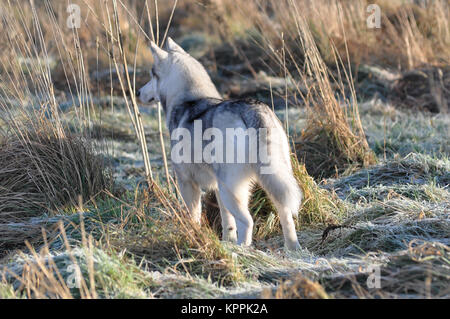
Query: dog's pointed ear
column 172, row 46
column 158, row 53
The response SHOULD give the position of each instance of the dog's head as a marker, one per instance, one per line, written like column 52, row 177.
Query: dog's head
column 174, row 76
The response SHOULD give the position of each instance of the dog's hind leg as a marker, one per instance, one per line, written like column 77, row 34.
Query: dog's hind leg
column 288, row 225
column 228, row 222
column 285, row 194
column 191, row 193
column 234, row 196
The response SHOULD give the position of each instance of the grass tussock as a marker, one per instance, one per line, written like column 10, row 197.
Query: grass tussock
column 319, row 206
column 44, row 174
column 423, row 89
column 334, row 136
column 42, row 171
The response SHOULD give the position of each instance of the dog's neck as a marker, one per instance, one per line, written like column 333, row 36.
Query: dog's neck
column 169, row 100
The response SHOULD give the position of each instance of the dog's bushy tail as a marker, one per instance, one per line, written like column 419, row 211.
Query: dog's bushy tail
column 282, row 187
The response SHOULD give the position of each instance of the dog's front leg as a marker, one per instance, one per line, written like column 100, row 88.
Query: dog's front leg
column 191, row 193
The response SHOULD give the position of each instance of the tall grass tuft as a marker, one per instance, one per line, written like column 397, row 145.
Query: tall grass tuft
column 42, row 171
column 45, row 164
column 334, row 139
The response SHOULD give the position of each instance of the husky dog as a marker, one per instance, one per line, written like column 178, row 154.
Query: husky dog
column 188, row 97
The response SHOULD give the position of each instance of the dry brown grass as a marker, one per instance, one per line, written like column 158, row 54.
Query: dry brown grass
column 42, row 172
column 289, row 44
column 299, row 287
column 322, row 43
column 334, row 139
column 411, row 34
column 78, row 51
column 173, row 240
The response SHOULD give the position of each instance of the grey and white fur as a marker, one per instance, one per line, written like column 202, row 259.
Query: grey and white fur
column 187, row 94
